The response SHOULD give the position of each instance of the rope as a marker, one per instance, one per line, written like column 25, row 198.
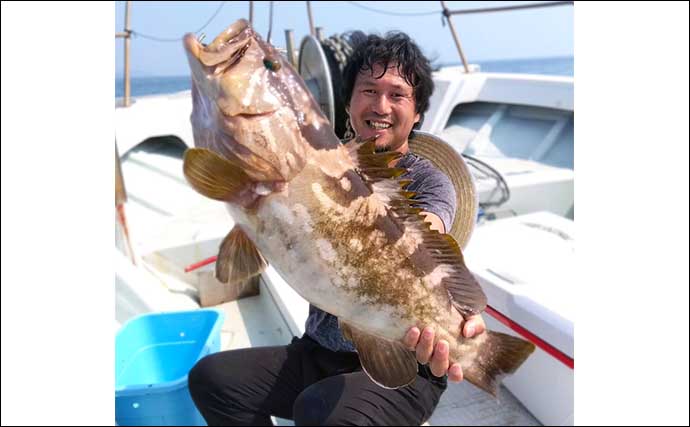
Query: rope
column 384, row 12
column 154, row 38
column 177, row 39
column 502, row 185
column 341, row 49
column 448, row 12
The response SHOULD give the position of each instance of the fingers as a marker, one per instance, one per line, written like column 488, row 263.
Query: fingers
column 425, row 346
column 439, row 361
column 412, row 338
column 455, row 373
column 473, row 326
column 437, row 356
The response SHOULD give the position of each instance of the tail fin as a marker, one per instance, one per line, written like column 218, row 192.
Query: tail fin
column 499, row 355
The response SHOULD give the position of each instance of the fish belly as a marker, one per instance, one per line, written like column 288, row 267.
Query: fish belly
column 284, row 233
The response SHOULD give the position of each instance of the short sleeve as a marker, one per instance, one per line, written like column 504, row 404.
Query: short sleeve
column 435, row 191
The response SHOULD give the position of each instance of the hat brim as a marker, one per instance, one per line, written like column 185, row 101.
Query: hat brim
column 450, row 162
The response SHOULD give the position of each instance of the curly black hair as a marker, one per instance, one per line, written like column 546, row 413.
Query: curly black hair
column 394, row 48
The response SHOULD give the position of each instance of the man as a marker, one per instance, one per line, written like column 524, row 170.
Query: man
column 317, row 379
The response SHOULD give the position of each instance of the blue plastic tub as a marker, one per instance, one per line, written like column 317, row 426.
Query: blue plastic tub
column 153, row 355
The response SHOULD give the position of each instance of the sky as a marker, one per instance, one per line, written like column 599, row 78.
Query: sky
column 532, row 33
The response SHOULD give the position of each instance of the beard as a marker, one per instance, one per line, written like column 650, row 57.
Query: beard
column 378, row 148
column 383, row 146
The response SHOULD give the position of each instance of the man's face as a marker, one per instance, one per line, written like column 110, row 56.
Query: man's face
column 383, row 107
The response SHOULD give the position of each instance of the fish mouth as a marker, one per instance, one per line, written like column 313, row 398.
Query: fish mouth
column 248, row 116
column 231, row 32
column 229, row 45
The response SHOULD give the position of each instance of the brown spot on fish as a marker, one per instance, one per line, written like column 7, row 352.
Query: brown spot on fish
column 391, row 229
column 423, row 260
column 357, row 186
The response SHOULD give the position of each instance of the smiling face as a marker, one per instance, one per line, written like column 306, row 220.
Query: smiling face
column 383, row 107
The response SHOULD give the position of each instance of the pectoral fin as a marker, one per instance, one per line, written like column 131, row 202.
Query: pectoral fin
column 388, row 363
column 215, row 176
column 238, row 258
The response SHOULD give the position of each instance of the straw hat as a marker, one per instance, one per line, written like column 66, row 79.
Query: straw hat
column 443, row 156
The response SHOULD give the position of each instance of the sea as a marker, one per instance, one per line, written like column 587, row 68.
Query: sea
column 558, row 66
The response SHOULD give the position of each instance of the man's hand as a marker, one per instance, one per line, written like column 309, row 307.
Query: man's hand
column 438, row 358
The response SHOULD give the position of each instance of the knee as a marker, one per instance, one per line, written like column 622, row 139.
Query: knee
column 201, row 378
column 314, row 408
column 310, row 409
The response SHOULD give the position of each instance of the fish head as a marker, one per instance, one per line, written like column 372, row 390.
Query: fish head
column 250, row 105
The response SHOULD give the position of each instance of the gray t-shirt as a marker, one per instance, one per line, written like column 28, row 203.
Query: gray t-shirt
column 436, row 194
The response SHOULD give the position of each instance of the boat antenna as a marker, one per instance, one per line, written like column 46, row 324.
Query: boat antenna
column 127, row 35
column 446, row 14
column 270, row 22
column 311, row 20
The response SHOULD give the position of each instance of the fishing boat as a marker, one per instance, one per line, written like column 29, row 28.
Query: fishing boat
column 516, row 133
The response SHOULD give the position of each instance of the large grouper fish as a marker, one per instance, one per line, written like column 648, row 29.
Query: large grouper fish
column 333, row 219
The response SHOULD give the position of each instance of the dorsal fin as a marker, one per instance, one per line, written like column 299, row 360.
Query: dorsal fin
column 372, row 165
column 437, row 249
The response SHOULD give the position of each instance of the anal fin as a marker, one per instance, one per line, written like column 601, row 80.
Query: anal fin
column 238, row 258
column 388, row 363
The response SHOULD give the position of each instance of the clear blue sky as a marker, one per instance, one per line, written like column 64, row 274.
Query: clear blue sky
column 529, row 33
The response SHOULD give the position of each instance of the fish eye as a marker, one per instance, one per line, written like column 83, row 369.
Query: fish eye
column 271, row 64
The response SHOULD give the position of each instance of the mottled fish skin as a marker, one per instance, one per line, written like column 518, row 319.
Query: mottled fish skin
column 342, row 249
column 325, row 229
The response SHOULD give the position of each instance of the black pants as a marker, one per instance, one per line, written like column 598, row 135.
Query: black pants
column 305, row 382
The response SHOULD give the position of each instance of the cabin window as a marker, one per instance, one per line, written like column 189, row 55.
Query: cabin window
column 487, row 129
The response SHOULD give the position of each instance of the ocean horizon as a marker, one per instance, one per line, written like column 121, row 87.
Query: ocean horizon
column 558, row 66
